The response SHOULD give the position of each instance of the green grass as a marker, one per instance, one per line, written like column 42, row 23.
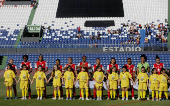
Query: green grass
column 50, row 102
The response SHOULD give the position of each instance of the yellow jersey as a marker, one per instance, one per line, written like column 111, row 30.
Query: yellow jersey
column 124, row 76
column 57, row 76
column 154, row 78
column 162, row 79
column 143, row 77
column 39, row 76
column 9, row 75
column 98, row 76
column 24, row 75
column 83, row 77
column 68, row 76
column 113, row 76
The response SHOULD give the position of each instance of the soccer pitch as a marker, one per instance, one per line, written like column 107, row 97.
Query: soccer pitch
column 50, row 102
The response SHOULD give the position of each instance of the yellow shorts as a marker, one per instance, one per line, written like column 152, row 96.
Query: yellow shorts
column 113, row 85
column 83, row 85
column 125, row 85
column 40, row 86
column 8, row 83
column 68, row 85
column 154, row 87
column 99, row 85
column 24, row 85
column 163, row 87
column 142, row 86
column 56, row 84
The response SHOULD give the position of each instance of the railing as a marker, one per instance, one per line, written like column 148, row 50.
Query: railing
column 82, row 45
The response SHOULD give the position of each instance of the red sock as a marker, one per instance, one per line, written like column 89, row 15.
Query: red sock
column 6, row 93
column 132, row 92
column 80, row 93
column 89, row 93
column 74, row 91
column 94, row 93
column 29, row 91
column 108, row 93
column 117, row 91
column 45, row 93
column 61, row 89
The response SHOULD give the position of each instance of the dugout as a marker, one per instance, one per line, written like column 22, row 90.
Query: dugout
column 32, row 33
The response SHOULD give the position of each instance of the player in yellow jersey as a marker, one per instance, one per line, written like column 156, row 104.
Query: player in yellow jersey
column 99, row 77
column 69, row 80
column 83, row 81
column 24, row 77
column 39, row 76
column 9, row 76
column 124, row 78
column 154, row 83
column 112, row 80
column 162, row 84
column 56, row 75
column 143, row 82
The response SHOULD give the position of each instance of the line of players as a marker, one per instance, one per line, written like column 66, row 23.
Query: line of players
column 85, row 65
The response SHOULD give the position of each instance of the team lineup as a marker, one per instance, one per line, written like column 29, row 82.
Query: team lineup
column 71, row 73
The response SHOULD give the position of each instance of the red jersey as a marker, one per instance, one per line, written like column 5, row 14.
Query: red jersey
column 14, row 68
column 158, row 67
column 28, row 64
column 131, row 68
column 111, row 65
column 61, row 67
column 86, row 64
column 94, row 67
column 79, row 29
column 43, row 64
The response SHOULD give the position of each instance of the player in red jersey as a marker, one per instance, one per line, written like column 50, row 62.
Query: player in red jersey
column 14, row 68
column 93, row 69
column 73, row 66
column 158, row 65
column 131, row 69
column 87, row 67
column 61, row 69
column 44, row 67
column 113, row 63
column 29, row 68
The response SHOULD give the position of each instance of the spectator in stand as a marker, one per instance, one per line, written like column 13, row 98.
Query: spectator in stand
column 152, row 26
column 79, row 30
column 146, row 40
column 108, row 31
column 111, row 31
column 95, row 45
column 157, row 37
column 140, row 26
column 137, row 40
column 160, row 37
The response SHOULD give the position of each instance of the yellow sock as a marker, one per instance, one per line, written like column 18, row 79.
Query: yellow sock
column 97, row 93
column 144, row 93
column 55, row 93
column 153, row 94
column 156, row 94
column 59, row 93
column 10, row 93
column 7, row 93
column 41, row 92
column 114, row 94
column 82, row 93
column 100, row 94
column 70, row 93
column 123, row 94
column 141, row 94
column 166, row 95
column 111, row 93
column 160, row 94
column 38, row 93
column 87, row 93
column 126, row 94
column 67, row 93
column 23, row 93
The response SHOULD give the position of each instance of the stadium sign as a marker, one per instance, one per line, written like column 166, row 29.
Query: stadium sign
column 121, row 49
column 33, row 28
